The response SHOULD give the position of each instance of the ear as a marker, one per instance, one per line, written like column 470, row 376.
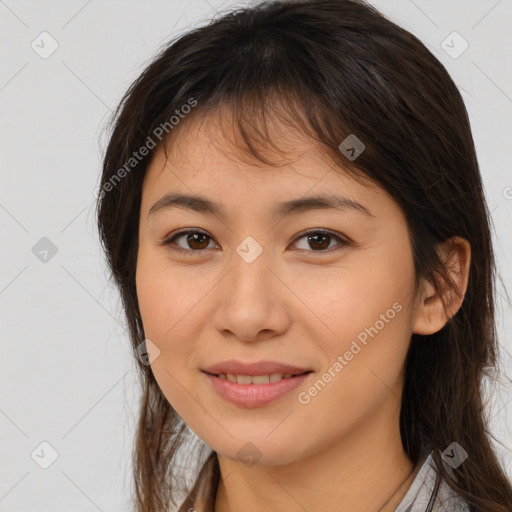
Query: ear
column 431, row 315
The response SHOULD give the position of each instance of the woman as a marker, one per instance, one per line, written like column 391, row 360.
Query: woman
column 292, row 209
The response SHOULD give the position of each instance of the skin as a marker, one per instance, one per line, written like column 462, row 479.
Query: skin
column 293, row 304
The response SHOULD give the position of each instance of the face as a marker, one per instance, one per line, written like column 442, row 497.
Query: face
column 325, row 289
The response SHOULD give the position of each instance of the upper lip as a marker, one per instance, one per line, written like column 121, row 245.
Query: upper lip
column 256, row 368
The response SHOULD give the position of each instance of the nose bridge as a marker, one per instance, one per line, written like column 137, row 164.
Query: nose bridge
column 250, row 303
column 250, row 275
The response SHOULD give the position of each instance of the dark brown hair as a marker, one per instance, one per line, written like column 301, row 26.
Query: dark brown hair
column 332, row 68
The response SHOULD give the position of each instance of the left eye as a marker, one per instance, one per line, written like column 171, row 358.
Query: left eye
column 318, row 239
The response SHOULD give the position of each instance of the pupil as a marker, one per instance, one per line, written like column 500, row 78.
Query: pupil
column 193, row 238
column 316, row 236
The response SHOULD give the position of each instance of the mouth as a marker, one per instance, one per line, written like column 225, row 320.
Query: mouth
column 250, row 391
column 266, row 378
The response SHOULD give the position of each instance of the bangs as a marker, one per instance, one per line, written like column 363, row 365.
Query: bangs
column 263, row 127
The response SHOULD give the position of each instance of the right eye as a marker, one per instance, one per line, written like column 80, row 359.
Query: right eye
column 195, row 240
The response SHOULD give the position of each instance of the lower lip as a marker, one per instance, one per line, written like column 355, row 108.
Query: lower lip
column 255, row 395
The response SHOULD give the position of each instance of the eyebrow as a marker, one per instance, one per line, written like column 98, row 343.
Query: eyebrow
column 204, row 205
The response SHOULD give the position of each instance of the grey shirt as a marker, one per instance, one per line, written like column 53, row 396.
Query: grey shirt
column 420, row 491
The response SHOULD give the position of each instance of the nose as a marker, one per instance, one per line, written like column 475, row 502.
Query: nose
column 253, row 301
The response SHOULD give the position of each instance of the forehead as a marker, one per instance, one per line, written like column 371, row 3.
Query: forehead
column 208, row 151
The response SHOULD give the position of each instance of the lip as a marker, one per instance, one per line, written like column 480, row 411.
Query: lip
column 254, row 395
column 256, row 368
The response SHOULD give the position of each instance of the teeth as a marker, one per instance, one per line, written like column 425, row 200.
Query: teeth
column 244, row 379
column 260, row 379
column 254, row 379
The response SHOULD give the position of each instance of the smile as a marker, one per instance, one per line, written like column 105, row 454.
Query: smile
column 254, row 390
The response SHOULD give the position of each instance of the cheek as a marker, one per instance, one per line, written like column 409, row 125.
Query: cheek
column 161, row 310
column 165, row 305
column 172, row 303
column 342, row 303
column 364, row 350
column 363, row 313
column 166, row 297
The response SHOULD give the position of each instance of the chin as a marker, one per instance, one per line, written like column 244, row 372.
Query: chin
column 260, row 451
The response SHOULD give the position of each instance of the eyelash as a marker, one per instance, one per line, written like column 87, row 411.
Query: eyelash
column 341, row 241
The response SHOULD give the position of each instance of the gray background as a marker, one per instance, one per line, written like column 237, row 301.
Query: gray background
column 67, row 373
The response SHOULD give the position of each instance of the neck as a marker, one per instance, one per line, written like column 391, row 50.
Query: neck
column 365, row 470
